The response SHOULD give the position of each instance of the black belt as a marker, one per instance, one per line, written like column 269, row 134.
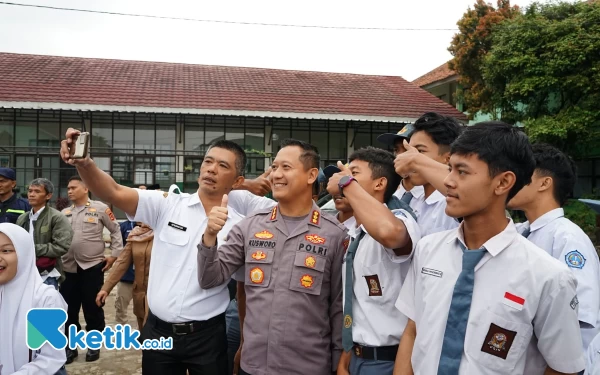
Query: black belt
column 381, row 353
column 187, row 327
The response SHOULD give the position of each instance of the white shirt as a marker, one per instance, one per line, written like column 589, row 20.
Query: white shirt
column 179, row 220
column 430, row 211
column 565, row 241
column 416, row 191
column 592, row 357
column 378, row 276
column 546, row 325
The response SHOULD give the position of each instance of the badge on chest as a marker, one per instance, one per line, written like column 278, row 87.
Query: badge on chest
column 498, row 341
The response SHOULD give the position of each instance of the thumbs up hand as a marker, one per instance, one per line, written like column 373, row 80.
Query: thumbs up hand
column 216, row 221
column 404, row 162
column 334, row 180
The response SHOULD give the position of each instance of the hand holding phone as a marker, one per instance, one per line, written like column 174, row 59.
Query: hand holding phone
column 80, row 146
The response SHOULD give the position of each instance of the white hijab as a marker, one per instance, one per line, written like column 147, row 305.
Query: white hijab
column 22, row 293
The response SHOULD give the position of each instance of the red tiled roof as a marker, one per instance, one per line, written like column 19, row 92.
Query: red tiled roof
column 440, row 73
column 72, row 80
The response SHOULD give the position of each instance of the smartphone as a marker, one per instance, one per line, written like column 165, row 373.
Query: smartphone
column 81, row 146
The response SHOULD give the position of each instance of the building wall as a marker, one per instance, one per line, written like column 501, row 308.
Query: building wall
column 144, row 148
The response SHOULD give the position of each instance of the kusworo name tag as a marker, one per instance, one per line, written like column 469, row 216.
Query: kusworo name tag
column 177, row 226
column 431, row 272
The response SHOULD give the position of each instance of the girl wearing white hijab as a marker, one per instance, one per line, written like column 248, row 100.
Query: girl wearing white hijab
column 21, row 288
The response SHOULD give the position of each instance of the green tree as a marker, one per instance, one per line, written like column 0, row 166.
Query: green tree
column 470, row 46
column 544, row 70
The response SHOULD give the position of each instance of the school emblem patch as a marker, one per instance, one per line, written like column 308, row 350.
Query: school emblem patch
column 314, row 238
column 264, row 235
column 374, row 286
column 306, row 281
column 259, row 255
column 257, row 275
column 347, row 321
column 310, row 261
column 575, row 259
column 498, row 341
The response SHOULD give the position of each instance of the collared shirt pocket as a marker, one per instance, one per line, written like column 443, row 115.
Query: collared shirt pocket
column 176, row 240
column 90, row 224
column 497, row 343
column 375, row 284
column 307, row 273
column 259, row 265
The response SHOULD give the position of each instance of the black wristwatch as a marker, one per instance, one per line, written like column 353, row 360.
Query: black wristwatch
column 345, row 181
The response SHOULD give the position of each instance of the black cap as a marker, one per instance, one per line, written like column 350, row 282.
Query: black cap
column 8, row 173
column 404, row 133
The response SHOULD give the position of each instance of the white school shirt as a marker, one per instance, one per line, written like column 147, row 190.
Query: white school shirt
column 378, row 276
column 179, row 221
column 592, row 357
column 524, row 307
column 430, row 211
column 565, row 241
column 416, row 191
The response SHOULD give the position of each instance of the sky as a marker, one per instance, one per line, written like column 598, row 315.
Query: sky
column 406, row 53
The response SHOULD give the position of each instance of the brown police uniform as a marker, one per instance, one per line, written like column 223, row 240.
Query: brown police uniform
column 293, row 290
column 84, row 261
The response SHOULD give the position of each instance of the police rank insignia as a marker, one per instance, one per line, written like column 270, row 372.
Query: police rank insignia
column 274, row 213
column 498, row 341
column 316, row 217
column 92, row 209
column 575, row 259
column 259, row 255
column 347, row 321
column 374, row 286
column 314, row 238
column 310, row 261
column 257, row 275
column 306, row 281
column 264, row 235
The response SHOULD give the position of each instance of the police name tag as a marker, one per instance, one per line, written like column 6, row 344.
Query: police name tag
column 177, row 226
column 431, row 272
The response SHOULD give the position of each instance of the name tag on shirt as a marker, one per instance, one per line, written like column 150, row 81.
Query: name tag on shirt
column 431, row 272
column 177, row 226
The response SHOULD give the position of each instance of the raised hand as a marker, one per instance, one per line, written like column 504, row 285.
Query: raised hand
column 261, row 185
column 333, row 183
column 403, row 164
column 216, row 221
column 65, row 148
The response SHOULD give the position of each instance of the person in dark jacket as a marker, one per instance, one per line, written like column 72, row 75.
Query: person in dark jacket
column 11, row 205
column 52, row 233
column 125, row 285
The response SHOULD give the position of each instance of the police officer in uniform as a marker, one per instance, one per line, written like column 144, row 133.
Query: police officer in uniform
column 84, row 264
column 293, row 260
column 11, row 205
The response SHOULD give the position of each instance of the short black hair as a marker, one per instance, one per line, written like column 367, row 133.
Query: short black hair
column 75, row 178
column 310, row 154
column 240, row 154
column 553, row 163
column 381, row 163
column 442, row 129
column 502, row 147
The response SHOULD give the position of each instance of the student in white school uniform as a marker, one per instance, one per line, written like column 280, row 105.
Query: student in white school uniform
column 552, row 182
column 431, row 139
column 592, row 357
column 21, row 289
column 397, row 142
column 375, row 263
column 502, row 307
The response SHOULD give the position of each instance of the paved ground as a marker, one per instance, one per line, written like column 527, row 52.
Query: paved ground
column 111, row 362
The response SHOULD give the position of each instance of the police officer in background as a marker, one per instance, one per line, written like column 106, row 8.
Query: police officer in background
column 11, row 206
column 85, row 263
column 293, row 262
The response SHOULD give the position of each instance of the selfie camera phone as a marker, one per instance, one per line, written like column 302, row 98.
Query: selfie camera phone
column 81, row 146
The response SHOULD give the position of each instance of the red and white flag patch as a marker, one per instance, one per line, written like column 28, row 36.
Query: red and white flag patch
column 513, row 301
